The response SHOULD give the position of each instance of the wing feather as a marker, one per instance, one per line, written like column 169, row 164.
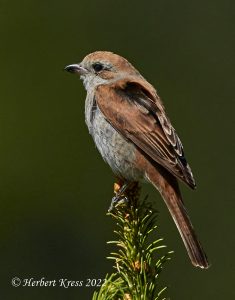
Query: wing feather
column 134, row 109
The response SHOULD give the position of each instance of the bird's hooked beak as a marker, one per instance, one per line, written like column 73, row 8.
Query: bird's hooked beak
column 76, row 68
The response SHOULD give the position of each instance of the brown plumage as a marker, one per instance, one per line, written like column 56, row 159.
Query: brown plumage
column 139, row 116
column 128, row 123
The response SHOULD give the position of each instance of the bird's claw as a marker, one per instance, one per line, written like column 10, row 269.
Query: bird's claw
column 117, row 200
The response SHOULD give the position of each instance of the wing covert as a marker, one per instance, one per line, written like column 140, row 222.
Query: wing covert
column 134, row 109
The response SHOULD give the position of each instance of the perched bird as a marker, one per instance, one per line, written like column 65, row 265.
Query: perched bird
column 131, row 130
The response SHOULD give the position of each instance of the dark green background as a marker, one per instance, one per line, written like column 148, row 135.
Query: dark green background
column 55, row 188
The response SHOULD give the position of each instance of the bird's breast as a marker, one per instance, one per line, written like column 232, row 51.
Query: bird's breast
column 119, row 153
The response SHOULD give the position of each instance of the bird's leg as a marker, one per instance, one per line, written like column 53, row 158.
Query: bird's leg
column 120, row 188
column 117, row 185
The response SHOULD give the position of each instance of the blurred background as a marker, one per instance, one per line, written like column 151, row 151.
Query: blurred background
column 54, row 187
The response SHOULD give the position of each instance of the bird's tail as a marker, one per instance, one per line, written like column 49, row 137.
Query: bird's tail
column 167, row 185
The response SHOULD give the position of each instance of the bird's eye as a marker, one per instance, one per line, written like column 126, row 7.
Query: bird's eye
column 97, row 67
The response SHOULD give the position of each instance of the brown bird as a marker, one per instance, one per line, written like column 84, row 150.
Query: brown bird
column 131, row 130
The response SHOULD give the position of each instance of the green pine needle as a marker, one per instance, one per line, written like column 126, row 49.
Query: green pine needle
column 138, row 262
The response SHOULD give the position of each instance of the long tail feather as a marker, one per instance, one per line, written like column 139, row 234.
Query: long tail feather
column 169, row 189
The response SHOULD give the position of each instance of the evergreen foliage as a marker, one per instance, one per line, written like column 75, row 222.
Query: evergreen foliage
column 137, row 260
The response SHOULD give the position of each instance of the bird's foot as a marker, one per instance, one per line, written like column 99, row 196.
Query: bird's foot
column 117, row 200
column 120, row 196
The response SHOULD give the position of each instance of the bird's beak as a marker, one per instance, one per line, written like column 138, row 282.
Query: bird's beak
column 76, row 68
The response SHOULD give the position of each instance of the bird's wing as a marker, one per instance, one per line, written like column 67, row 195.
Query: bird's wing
column 134, row 109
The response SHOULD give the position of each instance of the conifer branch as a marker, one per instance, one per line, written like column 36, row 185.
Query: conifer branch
column 137, row 260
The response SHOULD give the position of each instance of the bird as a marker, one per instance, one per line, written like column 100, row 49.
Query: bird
column 128, row 123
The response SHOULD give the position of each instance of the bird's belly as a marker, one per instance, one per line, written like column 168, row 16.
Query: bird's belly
column 115, row 150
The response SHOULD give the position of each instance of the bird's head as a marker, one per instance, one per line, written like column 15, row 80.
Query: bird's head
column 102, row 67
